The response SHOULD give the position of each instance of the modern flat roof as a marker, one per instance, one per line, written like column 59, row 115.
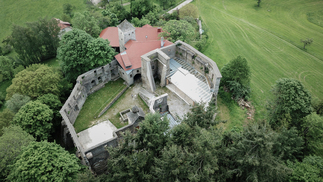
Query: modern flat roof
column 191, row 86
column 96, row 134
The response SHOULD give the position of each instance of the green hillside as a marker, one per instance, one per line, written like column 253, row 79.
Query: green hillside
column 269, row 38
column 21, row 11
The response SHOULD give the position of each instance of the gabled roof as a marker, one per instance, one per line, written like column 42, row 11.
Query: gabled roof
column 146, row 40
column 111, row 33
column 135, row 50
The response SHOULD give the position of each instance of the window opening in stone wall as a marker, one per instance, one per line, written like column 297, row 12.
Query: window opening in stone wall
column 100, row 79
column 137, row 71
column 76, row 108
column 93, row 83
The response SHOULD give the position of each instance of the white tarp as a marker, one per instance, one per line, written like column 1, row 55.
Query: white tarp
column 191, row 86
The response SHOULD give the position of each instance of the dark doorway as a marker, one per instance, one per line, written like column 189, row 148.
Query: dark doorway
column 137, row 78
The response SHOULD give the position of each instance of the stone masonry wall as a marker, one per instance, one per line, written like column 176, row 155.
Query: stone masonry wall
column 200, row 62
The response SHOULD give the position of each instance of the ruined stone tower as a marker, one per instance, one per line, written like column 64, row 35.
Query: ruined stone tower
column 126, row 32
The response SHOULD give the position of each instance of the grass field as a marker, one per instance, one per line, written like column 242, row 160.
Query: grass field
column 96, row 102
column 269, row 38
column 21, row 11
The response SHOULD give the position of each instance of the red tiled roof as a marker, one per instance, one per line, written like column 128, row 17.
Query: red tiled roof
column 125, row 59
column 136, row 50
column 111, row 33
column 147, row 26
column 62, row 24
column 146, row 40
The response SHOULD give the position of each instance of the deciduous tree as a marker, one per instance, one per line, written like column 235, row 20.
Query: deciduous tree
column 6, row 67
column 6, row 117
column 310, row 169
column 140, row 8
column 34, row 81
column 99, row 52
column 53, row 102
column 68, row 9
column 307, row 42
column 313, row 134
column 85, row 21
column 12, row 141
column 44, row 161
column 291, row 103
column 16, row 102
column 178, row 30
column 236, row 76
column 120, row 12
column 37, row 41
column 258, row 3
column 79, row 52
column 189, row 10
column 36, row 119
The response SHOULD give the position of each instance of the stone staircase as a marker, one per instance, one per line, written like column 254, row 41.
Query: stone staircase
column 191, row 69
column 146, row 96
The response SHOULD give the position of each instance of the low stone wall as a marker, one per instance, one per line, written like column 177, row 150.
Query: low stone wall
column 98, row 154
column 112, row 102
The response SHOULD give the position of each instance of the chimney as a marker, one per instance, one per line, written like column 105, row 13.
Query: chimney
column 162, row 42
column 159, row 29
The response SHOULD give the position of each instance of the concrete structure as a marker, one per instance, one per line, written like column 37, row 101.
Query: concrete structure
column 192, row 75
column 185, row 71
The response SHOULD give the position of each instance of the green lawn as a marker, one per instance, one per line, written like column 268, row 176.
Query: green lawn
column 54, row 62
column 96, row 102
column 123, row 103
column 21, row 11
column 269, row 38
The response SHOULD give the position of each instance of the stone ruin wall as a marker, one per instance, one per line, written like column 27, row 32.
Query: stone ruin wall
column 86, row 84
column 201, row 63
column 97, row 155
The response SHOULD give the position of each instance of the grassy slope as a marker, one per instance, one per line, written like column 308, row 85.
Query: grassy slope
column 21, row 11
column 96, row 102
column 269, row 40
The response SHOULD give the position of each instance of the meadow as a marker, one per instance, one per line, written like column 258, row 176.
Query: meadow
column 269, row 38
column 21, row 11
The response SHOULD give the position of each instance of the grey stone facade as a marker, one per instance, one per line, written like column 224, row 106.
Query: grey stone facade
column 156, row 64
column 129, row 76
column 126, row 32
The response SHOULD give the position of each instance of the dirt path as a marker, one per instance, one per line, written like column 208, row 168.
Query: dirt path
column 179, row 6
